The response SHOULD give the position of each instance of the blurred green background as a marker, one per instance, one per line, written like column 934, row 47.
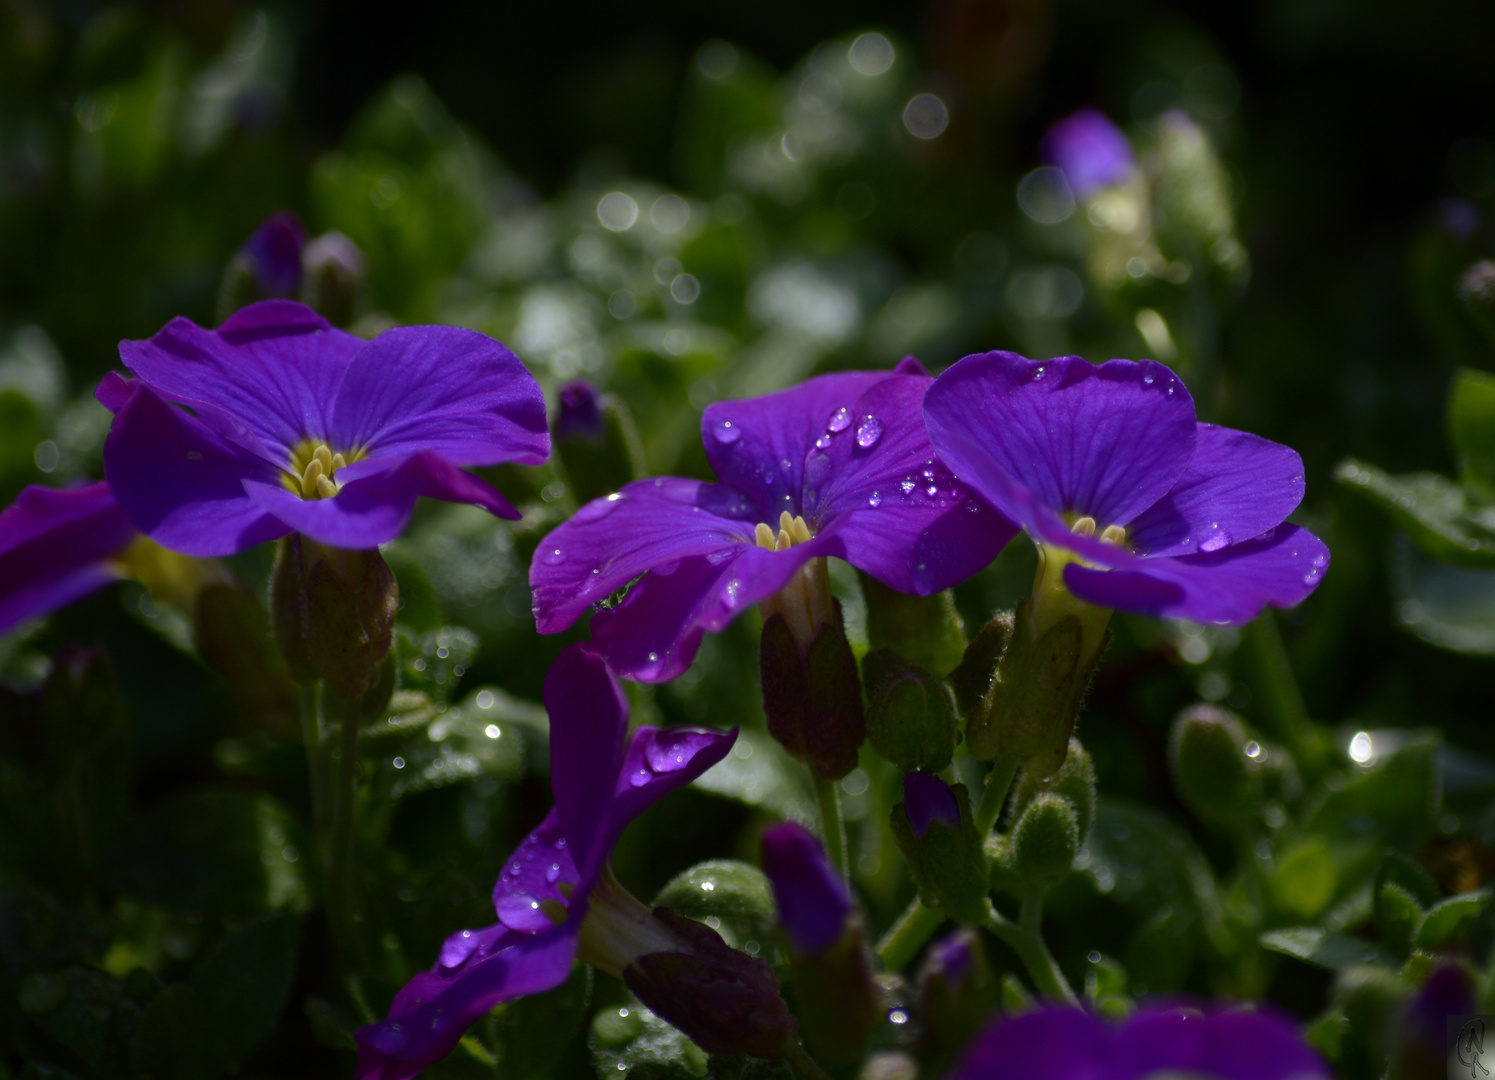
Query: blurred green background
column 686, row 202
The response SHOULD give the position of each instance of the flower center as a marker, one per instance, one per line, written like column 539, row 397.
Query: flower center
column 1052, row 599
column 313, row 468
column 805, row 602
column 792, row 530
column 618, row 929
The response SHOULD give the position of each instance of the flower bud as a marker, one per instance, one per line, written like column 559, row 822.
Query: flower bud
column 1192, row 197
column 333, row 270
column 1090, row 151
column 910, row 715
column 812, row 696
column 1045, row 840
column 333, row 612
column 267, row 267
column 1420, row 1036
column 957, row 994
column 934, row 829
column 1213, row 773
column 972, row 678
column 813, row 904
column 924, row 630
column 1075, row 781
column 596, row 441
column 231, row 631
column 1369, row 997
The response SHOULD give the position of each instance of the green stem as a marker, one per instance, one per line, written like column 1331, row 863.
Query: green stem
column 1034, row 954
column 1282, row 704
column 902, row 943
column 801, row 1062
column 311, row 733
column 831, row 825
column 998, row 781
column 340, row 873
column 1030, row 915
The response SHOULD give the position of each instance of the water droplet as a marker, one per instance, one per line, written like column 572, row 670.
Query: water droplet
column 730, row 591
column 822, row 442
column 928, row 473
column 560, row 844
column 1215, row 539
column 874, row 500
column 1319, row 561
column 1170, row 390
column 1147, row 379
column 599, row 508
column 553, row 557
column 932, row 490
column 1039, row 374
column 515, row 869
column 785, row 464
column 840, row 420
column 726, row 432
column 973, row 508
column 908, row 485
column 653, row 658
column 868, row 432
column 553, row 874
column 640, row 777
column 389, row 1039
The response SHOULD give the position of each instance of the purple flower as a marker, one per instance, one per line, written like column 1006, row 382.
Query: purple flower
column 555, row 895
column 812, row 900
column 927, row 799
column 298, row 427
column 274, row 255
column 580, row 414
column 1090, row 150
column 1066, row 1044
column 839, row 465
column 57, row 546
column 1134, row 502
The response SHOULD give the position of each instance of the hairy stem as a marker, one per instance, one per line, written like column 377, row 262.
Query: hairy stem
column 832, row 826
column 907, row 936
column 998, row 781
column 1033, row 953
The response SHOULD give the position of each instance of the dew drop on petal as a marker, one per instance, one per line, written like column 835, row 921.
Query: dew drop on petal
column 973, row 507
column 598, row 508
column 840, row 420
column 822, row 442
column 908, row 485
column 1147, row 379
column 730, row 591
column 726, row 432
column 1215, row 539
column 1039, row 374
column 553, row 557
column 932, row 490
column 388, row 1039
column 553, row 874
column 1319, row 561
column 868, row 432
column 874, row 500
column 640, row 777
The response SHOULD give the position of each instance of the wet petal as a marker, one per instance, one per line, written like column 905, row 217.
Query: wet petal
column 660, row 761
column 533, row 874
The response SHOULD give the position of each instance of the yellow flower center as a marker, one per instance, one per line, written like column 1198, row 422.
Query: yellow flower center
column 806, row 601
column 313, row 469
column 1052, row 599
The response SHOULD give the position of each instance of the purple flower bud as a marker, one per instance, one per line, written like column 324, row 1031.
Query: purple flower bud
column 813, row 902
column 1420, row 1042
column 275, row 252
column 927, row 799
column 1091, row 151
column 952, row 957
column 581, row 412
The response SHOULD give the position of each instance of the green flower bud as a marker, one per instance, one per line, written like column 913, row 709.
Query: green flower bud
column 1045, row 840
column 332, row 270
column 924, row 630
column 836, row 998
column 724, row 888
column 934, row 829
column 813, row 698
column 957, row 994
column 972, row 679
column 1213, row 772
column 1074, row 781
column 1191, row 198
column 910, row 716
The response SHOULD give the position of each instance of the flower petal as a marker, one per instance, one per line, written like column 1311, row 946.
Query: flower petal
column 759, row 445
column 1105, row 441
column 265, row 379
column 433, row 1011
column 1054, row 1043
column 57, row 546
column 182, row 484
column 660, row 761
column 1228, row 586
column 874, row 495
column 1237, row 486
column 442, row 388
column 611, row 541
column 812, row 900
column 533, row 874
column 1237, row 1044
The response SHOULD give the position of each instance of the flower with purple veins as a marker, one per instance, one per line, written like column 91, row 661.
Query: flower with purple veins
column 555, row 898
column 1090, row 151
column 295, row 426
column 839, row 465
column 813, row 903
column 1132, row 502
column 1059, row 1043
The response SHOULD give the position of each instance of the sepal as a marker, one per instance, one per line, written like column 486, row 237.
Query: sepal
column 911, row 718
column 945, row 858
column 813, row 699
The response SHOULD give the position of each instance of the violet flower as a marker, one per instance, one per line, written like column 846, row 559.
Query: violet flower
column 1059, row 1043
column 1132, row 502
column 813, row 903
column 1090, row 151
column 555, row 898
column 274, row 255
column 839, row 465
column 927, row 799
column 298, row 427
column 57, row 546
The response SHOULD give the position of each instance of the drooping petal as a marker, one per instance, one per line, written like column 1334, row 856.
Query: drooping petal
column 57, row 546
column 181, row 484
column 759, row 445
column 1237, row 1044
column 897, row 512
column 1047, row 1044
column 1236, row 487
column 456, row 392
column 265, row 379
column 812, row 900
column 1104, row 440
column 433, row 1011
column 660, row 761
column 1228, row 586
column 612, row 540
column 533, row 874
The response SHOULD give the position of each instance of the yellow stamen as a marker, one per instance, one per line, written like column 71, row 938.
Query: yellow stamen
column 1113, row 534
column 325, row 487
column 323, row 455
column 1084, row 526
column 314, row 472
column 338, row 462
column 763, row 536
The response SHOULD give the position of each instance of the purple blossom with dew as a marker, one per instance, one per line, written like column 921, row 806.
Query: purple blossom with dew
column 1135, row 503
column 812, row 899
column 1059, row 1043
column 839, row 465
column 555, row 897
column 1090, row 151
column 274, row 255
column 57, row 546
column 295, row 426
column 927, row 799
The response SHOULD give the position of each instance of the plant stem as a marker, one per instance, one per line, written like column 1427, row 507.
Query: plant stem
column 801, row 1062
column 831, row 825
column 1283, row 705
column 998, row 781
column 342, row 895
column 902, row 943
column 1031, row 950
column 311, row 734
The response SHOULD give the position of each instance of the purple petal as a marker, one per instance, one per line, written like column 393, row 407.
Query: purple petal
column 612, row 540
column 533, row 874
column 1092, row 152
column 114, row 390
column 580, row 412
column 652, row 636
column 181, row 484
column 56, row 547
column 660, row 761
column 441, row 388
column 874, row 496
column 1229, row 586
column 440, row 479
column 588, row 722
column 759, row 445
column 1228, row 1045
column 275, row 253
column 265, row 379
column 1105, row 441
column 1054, row 1043
column 1236, row 487
column 927, row 799
column 812, row 900
column 434, row 1010
column 911, row 365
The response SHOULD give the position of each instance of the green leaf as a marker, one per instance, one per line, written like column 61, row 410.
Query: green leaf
column 1304, row 880
column 1442, row 516
column 1394, row 803
column 529, row 1035
column 759, row 773
column 242, row 985
column 1450, row 919
column 1397, row 917
column 731, row 897
column 1322, row 948
column 86, row 1011
column 1471, row 424
column 433, row 662
column 631, row 1039
column 1452, row 607
column 486, row 735
column 170, row 1043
